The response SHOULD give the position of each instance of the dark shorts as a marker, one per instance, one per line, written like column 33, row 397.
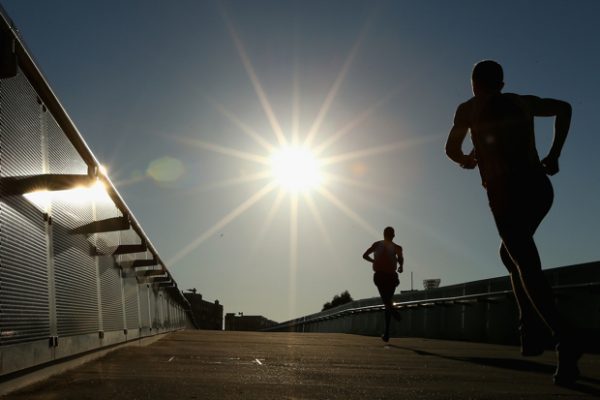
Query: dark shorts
column 386, row 283
column 519, row 204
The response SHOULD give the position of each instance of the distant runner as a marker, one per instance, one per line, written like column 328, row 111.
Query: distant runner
column 520, row 195
column 387, row 255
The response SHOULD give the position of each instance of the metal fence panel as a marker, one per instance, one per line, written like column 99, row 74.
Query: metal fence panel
column 24, row 311
column 110, row 294
column 60, row 155
column 21, row 120
column 155, row 308
column 144, row 306
column 75, row 269
column 130, row 293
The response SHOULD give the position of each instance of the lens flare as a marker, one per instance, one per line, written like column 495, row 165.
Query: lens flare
column 95, row 193
column 166, row 169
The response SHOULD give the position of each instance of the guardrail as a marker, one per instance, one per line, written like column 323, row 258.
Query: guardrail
column 77, row 271
column 408, row 305
column 483, row 315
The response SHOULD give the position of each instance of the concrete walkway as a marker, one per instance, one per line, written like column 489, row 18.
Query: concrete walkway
column 252, row 365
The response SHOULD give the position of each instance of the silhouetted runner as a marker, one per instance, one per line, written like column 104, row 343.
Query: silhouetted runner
column 520, row 195
column 386, row 255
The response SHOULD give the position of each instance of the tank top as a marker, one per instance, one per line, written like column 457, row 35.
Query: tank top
column 503, row 136
column 385, row 256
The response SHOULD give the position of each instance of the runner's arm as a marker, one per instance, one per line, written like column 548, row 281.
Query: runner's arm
column 400, row 257
column 562, row 111
column 456, row 137
column 367, row 254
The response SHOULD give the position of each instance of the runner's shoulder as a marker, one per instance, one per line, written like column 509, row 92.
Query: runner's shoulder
column 527, row 102
column 464, row 114
column 466, row 107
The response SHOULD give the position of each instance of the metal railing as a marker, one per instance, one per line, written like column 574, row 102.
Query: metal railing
column 27, row 64
column 69, row 272
column 448, row 301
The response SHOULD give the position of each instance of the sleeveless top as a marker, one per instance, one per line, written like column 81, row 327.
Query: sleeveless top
column 385, row 256
column 503, row 136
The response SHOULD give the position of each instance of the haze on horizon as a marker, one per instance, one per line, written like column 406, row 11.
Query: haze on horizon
column 187, row 104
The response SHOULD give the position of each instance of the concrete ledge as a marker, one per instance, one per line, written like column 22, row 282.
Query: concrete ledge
column 77, row 344
column 20, row 356
column 133, row 334
column 12, row 382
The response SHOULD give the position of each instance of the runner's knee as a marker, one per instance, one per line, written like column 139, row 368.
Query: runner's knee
column 507, row 260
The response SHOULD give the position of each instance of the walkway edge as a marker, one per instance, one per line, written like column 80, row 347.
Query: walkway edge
column 58, row 367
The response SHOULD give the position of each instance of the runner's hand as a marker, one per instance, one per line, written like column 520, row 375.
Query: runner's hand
column 469, row 161
column 550, row 165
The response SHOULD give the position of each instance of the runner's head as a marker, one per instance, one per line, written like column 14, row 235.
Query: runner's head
column 388, row 233
column 487, row 78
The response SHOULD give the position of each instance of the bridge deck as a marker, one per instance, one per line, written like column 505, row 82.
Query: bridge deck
column 251, row 365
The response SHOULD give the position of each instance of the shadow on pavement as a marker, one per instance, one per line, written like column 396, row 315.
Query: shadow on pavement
column 512, row 364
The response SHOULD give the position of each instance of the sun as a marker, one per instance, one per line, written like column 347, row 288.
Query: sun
column 295, row 169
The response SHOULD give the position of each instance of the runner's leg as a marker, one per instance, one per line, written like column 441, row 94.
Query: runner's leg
column 531, row 324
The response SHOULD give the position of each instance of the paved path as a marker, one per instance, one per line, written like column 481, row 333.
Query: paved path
column 252, row 365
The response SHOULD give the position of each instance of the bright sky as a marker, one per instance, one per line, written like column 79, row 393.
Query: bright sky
column 183, row 100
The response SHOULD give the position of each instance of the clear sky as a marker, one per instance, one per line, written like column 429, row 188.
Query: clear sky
column 184, row 100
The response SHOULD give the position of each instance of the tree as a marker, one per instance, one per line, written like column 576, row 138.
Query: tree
column 338, row 300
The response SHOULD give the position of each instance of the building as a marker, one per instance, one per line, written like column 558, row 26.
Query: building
column 207, row 315
column 243, row 322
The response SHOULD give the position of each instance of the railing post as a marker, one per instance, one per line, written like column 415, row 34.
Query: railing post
column 53, row 325
column 98, row 284
column 150, row 322
column 125, row 327
column 139, row 307
column 51, row 284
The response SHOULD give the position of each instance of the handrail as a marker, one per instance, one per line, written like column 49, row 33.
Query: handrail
column 458, row 300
